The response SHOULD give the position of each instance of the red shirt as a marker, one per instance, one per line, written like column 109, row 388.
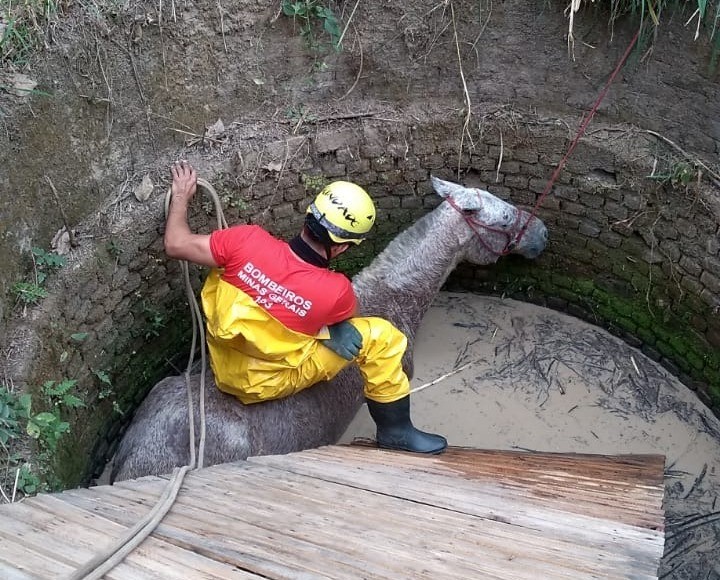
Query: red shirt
column 301, row 296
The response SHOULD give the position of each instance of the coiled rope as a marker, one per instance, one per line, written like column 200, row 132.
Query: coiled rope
column 101, row 564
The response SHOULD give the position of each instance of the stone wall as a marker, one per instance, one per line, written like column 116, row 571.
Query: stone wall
column 634, row 226
column 635, row 254
column 639, row 256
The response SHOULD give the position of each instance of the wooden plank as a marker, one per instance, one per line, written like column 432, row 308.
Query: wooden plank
column 641, row 543
column 18, row 554
column 126, row 516
column 112, row 503
column 357, row 459
column 315, row 520
column 221, row 478
column 396, row 517
column 263, row 537
column 562, row 478
column 8, row 572
column 153, row 555
column 350, row 512
column 266, row 488
column 525, row 467
column 480, row 499
column 215, row 537
column 49, row 544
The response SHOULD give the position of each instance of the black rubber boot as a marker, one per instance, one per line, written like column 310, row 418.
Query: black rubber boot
column 396, row 431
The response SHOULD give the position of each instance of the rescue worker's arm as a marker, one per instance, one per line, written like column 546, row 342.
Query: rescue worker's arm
column 180, row 242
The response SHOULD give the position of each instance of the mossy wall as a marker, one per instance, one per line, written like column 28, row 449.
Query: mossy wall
column 636, row 255
column 634, row 249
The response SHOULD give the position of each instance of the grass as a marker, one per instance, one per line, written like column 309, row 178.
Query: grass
column 44, row 263
column 703, row 15
column 23, row 24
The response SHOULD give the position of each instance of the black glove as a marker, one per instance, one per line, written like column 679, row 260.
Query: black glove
column 345, row 340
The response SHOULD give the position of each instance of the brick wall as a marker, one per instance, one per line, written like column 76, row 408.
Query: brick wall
column 639, row 256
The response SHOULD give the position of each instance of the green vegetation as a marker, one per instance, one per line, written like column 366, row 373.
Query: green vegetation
column 679, row 173
column 28, row 292
column 23, row 24
column 107, row 387
column 46, row 428
column 704, row 15
column 314, row 18
column 113, row 249
column 155, row 320
column 44, row 263
column 13, row 410
column 313, row 183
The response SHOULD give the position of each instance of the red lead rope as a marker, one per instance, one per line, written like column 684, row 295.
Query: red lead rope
column 581, row 131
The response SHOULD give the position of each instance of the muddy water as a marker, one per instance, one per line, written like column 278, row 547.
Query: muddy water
column 544, row 381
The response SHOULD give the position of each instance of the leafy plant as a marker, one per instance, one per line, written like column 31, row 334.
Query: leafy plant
column 107, row 388
column 113, row 249
column 58, row 394
column 29, row 292
column 13, row 410
column 313, row 183
column 314, row 16
column 45, row 263
column 28, row 482
column 47, row 428
column 299, row 114
column 155, row 320
column 678, row 174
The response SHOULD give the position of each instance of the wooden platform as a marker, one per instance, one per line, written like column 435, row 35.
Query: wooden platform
column 357, row 512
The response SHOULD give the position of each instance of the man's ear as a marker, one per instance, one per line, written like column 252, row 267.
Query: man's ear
column 338, row 249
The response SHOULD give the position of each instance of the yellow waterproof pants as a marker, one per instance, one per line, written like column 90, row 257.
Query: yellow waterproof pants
column 256, row 358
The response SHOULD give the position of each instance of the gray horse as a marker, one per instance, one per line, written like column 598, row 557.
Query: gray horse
column 399, row 285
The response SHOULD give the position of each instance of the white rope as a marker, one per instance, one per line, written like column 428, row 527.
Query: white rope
column 112, row 556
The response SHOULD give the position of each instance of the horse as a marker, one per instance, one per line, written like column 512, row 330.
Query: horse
column 399, row 285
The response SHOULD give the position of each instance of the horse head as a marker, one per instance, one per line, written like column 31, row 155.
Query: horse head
column 498, row 227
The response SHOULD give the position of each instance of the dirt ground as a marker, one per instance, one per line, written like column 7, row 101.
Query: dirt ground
column 544, row 381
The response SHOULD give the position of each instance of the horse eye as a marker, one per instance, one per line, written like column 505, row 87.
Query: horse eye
column 468, row 211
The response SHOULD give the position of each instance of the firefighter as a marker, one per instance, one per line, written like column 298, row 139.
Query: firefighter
column 279, row 321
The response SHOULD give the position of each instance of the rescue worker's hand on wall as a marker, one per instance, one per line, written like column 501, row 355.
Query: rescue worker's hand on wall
column 180, row 242
column 184, row 182
column 345, row 340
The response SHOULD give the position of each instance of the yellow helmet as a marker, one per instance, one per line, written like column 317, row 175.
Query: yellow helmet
column 345, row 210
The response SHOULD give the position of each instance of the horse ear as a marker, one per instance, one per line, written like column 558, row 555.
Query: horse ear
column 443, row 188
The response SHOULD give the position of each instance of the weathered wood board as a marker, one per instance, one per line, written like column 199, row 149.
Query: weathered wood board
column 357, row 512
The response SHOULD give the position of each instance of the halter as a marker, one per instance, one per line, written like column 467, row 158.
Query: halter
column 476, row 226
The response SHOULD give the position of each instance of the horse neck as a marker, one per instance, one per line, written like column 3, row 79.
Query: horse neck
column 405, row 277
